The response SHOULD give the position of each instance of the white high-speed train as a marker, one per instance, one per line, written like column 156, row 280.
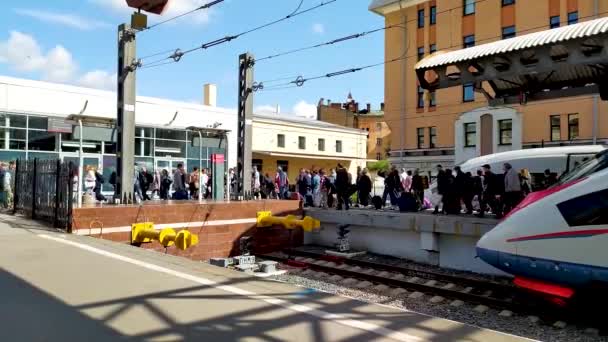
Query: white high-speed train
column 556, row 241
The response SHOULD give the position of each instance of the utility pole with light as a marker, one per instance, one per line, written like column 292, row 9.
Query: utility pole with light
column 126, row 95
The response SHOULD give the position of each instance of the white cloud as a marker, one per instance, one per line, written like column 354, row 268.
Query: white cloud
column 98, row 79
column 318, row 28
column 23, row 53
column 65, row 19
column 305, row 110
column 174, row 8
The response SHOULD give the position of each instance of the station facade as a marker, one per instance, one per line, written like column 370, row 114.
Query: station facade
column 34, row 124
column 455, row 124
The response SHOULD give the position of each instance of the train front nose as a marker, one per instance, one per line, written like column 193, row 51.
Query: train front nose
column 486, row 250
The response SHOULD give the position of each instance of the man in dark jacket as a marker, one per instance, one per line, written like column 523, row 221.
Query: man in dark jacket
column 491, row 190
column 392, row 186
column 418, row 188
column 464, row 189
column 145, row 179
column 342, row 186
column 364, row 188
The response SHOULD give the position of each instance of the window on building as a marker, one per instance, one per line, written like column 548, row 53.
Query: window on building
column 556, row 128
column 572, row 126
column 378, row 141
column 508, row 32
column 420, row 135
column 378, row 156
column 283, row 164
column 420, row 52
column 258, row 164
column 572, row 18
column 470, row 134
column 433, row 48
column 302, row 143
column 378, row 126
column 508, row 2
column 468, row 41
column 339, row 146
column 432, row 100
column 433, row 18
column 421, row 18
column 420, row 97
column 554, row 21
column 432, row 137
column 321, row 144
column 586, row 210
column 280, row 140
column 468, row 93
column 468, row 7
column 505, row 132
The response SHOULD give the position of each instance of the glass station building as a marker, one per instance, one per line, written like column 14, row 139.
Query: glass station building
column 35, row 122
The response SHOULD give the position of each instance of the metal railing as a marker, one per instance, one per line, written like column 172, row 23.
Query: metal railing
column 43, row 191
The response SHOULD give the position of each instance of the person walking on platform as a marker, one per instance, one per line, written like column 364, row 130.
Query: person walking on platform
column 418, row 188
column 364, row 188
column 342, row 186
column 165, row 185
column 316, row 189
column 512, row 195
column 464, row 190
column 491, row 191
column 282, row 183
column 441, row 188
column 179, row 183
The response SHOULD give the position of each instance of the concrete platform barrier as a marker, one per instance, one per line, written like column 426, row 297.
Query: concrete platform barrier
column 445, row 241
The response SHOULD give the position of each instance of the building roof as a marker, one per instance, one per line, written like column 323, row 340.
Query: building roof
column 305, row 122
column 385, row 6
column 586, row 29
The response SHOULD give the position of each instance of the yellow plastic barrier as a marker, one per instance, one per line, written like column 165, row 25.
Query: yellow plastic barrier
column 308, row 224
column 145, row 232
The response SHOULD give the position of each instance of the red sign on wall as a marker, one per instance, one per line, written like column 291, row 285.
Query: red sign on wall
column 217, row 158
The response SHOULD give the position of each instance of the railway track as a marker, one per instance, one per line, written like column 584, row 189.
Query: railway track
column 367, row 275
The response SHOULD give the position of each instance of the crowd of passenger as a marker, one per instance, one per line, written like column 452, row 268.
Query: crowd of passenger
column 159, row 184
column 457, row 192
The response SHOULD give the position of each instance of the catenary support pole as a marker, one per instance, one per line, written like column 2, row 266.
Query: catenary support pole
column 125, row 159
column 245, row 122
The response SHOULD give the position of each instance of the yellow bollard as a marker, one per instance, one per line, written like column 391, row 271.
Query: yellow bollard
column 308, row 224
column 145, row 232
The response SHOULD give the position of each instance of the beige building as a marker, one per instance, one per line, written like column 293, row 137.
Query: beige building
column 295, row 143
column 349, row 114
column 456, row 124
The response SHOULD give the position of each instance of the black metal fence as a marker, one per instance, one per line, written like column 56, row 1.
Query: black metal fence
column 43, row 191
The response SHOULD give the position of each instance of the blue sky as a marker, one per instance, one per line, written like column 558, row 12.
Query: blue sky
column 74, row 42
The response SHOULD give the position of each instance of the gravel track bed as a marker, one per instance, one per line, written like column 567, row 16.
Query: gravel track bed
column 516, row 325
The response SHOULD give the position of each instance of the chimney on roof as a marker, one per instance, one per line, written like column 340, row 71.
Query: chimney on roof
column 210, row 95
column 328, row 102
column 382, row 106
column 369, row 107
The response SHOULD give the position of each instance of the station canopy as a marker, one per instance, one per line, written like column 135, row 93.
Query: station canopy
column 566, row 61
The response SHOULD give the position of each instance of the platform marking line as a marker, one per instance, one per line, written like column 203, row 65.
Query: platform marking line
column 337, row 318
column 185, row 225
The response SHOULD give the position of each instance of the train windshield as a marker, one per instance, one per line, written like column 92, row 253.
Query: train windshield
column 597, row 163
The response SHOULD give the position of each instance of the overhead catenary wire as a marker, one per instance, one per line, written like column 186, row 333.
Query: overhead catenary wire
column 300, row 80
column 331, row 42
column 178, row 54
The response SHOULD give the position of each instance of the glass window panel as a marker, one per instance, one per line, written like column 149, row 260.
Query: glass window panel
column 109, row 167
column 42, row 141
column 170, row 134
column 18, row 121
column 469, row 7
column 8, row 156
column 468, row 93
column 339, row 146
column 167, row 148
column 144, row 132
column 468, row 41
column 144, row 147
column 554, row 22
column 420, row 18
column 433, row 15
column 36, row 122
